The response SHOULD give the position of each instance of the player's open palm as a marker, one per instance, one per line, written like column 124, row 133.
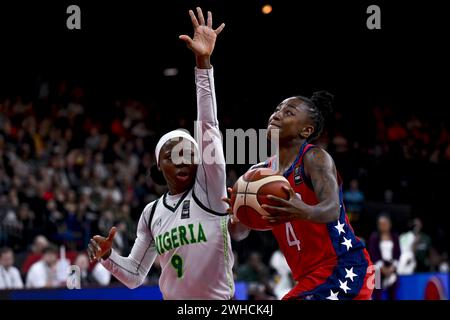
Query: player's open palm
column 100, row 247
column 202, row 44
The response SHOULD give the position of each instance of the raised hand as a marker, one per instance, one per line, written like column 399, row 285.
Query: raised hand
column 100, row 247
column 202, row 44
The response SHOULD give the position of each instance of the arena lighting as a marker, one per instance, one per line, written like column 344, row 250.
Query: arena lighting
column 266, row 9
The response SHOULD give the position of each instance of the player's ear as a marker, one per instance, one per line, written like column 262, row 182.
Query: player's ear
column 157, row 175
column 306, row 131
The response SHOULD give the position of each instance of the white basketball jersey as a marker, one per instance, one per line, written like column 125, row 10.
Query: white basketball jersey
column 194, row 248
column 189, row 232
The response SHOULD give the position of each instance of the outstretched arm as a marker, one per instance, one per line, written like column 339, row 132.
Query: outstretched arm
column 210, row 181
column 211, row 175
column 131, row 270
column 321, row 169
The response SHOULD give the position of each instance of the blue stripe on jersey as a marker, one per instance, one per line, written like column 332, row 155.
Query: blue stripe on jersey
column 351, row 261
column 294, row 164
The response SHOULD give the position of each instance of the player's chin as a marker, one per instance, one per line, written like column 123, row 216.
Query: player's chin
column 184, row 181
column 273, row 131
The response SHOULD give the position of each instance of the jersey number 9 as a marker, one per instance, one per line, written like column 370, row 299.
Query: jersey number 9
column 177, row 263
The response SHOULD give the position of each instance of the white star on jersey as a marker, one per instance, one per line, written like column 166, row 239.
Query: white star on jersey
column 340, row 227
column 347, row 243
column 350, row 273
column 344, row 286
column 333, row 296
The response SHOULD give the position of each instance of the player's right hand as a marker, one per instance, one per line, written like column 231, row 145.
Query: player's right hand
column 100, row 247
column 234, row 219
column 204, row 40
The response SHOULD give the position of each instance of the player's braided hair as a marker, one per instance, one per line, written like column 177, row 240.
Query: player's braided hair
column 320, row 108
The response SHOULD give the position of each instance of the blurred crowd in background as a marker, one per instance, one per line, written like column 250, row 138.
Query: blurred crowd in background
column 67, row 174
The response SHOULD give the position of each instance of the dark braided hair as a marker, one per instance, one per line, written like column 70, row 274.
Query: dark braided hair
column 320, row 108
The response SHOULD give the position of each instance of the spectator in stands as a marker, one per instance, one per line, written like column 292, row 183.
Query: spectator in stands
column 354, row 201
column 283, row 278
column 98, row 276
column 257, row 275
column 9, row 275
column 396, row 132
column 43, row 274
column 26, row 219
column 123, row 216
column 421, row 247
column 384, row 249
column 37, row 248
column 254, row 270
column 407, row 261
column 444, row 265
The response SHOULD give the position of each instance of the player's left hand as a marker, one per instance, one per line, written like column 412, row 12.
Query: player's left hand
column 204, row 35
column 292, row 209
column 233, row 217
column 100, row 247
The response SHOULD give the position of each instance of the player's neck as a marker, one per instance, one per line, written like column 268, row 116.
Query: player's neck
column 287, row 153
column 176, row 190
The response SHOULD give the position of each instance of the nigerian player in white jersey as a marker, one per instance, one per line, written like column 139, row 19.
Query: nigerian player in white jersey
column 188, row 228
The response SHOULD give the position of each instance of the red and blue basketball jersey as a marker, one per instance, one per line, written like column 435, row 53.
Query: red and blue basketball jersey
column 327, row 260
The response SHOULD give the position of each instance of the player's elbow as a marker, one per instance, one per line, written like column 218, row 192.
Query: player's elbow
column 239, row 235
column 333, row 212
column 238, row 231
column 132, row 285
column 135, row 283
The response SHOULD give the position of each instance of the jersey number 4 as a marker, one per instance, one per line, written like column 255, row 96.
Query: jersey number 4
column 290, row 236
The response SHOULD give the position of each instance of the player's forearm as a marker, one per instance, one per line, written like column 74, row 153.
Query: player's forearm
column 125, row 269
column 132, row 270
column 324, row 212
column 211, row 174
column 206, row 97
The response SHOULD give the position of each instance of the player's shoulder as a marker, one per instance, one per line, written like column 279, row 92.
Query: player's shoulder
column 317, row 155
column 150, row 205
column 149, row 211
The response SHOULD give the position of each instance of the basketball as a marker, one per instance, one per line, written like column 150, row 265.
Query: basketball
column 250, row 192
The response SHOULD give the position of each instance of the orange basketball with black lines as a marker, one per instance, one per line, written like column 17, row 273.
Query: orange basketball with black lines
column 251, row 190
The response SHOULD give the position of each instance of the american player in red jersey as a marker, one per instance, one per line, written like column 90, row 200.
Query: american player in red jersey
column 326, row 258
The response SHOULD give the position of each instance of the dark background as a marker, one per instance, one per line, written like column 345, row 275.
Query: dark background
column 123, row 47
